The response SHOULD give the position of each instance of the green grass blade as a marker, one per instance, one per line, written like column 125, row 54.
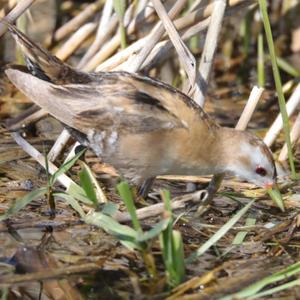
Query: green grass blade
column 65, row 167
column 72, row 202
column 125, row 234
column 154, row 231
column 282, row 106
column 78, row 193
column 178, row 254
column 4, row 293
column 120, row 8
column 219, row 234
column 166, row 237
column 172, row 246
column 260, row 61
column 277, row 198
column 126, row 195
column 279, row 288
column 109, row 208
column 88, row 186
column 101, row 198
column 253, row 289
column 287, row 67
column 239, row 238
column 21, row 203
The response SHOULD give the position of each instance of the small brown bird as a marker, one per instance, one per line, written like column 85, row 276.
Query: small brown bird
column 139, row 125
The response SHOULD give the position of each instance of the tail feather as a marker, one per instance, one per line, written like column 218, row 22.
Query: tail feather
column 41, row 63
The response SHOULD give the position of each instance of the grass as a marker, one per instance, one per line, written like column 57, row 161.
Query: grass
column 120, row 8
column 278, row 84
column 253, row 291
column 172, row 247
column 219, row 234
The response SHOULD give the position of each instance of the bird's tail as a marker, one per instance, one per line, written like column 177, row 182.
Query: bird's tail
column 39, row 61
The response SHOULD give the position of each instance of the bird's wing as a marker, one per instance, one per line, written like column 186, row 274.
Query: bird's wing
column 102, row 105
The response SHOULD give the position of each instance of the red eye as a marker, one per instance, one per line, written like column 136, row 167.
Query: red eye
column 261, row 171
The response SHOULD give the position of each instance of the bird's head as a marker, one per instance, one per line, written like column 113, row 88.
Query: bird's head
column 251, row 160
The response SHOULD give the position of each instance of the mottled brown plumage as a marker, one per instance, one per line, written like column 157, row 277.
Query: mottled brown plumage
column 140, row 125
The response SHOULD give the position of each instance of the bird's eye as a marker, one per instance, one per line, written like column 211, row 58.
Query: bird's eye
column 261, row 171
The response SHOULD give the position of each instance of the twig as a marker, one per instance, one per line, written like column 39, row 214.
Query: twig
column 209, row 50
column 157, row 209
column 77, row 21
column 295, row 135
column 277, row 125
column 15, row 13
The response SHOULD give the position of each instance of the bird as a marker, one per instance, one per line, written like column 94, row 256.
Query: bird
column 141, row 126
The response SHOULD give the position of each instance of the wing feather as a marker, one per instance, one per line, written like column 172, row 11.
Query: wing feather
column 97, row 105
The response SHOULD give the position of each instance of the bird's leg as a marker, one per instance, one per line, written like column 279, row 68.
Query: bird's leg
column 143, row 190
column 213, row 187
column 140, row 192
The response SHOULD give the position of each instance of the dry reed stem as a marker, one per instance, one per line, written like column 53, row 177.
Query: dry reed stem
column 195, row 5
column 72, row 152
column 295, row 135
column 49, row 274
column 75, row 41
column 249, row 108
column 154, row 37
column 122, row 56
column 185, row 56
column 77, row 21
column 59, row 145
column 181, row 23
column 37, row 156
column 112, row 45
column 209, row 50
column 28, row 116
column 159, row 52
column 107, row 24
column 163, row 49
column 251, row 104
column 157, row 209
column 291, row 106
column 15, row 13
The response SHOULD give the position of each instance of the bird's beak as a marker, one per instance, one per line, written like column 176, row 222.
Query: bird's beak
column 270, row 185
